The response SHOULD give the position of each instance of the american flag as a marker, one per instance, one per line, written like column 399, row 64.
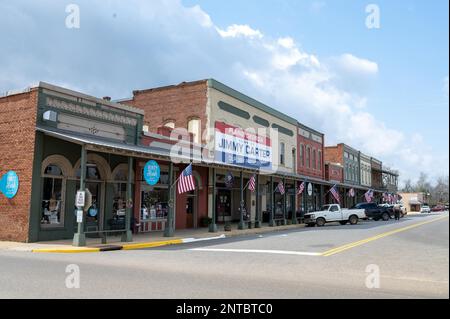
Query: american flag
column 280, row 188
column 186, row 182
column 351, row 193
column 335, row 194
column 369, row 195
column 390, row 198
column 252, row 183
column 301, row 188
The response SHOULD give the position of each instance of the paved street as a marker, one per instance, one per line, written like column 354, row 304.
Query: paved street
column 412, row 256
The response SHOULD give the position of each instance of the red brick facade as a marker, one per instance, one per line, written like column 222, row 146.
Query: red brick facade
column 177, row 104
column 17, row 135
column 334, row 154
column 334, row 173
column 316, row 151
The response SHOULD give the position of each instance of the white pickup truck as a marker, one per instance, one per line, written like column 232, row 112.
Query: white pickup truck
column 334, row 213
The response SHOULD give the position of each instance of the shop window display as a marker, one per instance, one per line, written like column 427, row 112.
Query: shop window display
column 52, row 197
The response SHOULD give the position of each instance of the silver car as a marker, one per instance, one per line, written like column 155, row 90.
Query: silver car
column 425, row 209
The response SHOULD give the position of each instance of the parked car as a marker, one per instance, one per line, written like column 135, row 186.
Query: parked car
column 404, row 210
column 425, row 209
column 334, row 213
column 438, row 208
column 375, row 212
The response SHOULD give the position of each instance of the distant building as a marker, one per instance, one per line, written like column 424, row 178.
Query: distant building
column 414, row 201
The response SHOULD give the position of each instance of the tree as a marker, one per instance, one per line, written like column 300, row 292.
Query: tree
column 408, row 187
column 422, row 184
column 440, row 192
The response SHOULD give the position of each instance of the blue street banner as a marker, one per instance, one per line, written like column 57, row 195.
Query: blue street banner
column 9, row 184
column 152, row 173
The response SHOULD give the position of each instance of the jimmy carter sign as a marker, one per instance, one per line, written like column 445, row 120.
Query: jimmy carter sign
column 236, row 146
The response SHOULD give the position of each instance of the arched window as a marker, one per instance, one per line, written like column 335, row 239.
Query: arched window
column 314, row 159
column 170, row 124
column 294, row 159
column 282, row 154
column 302, row 155
column 53, row 191
column 320, row 161
column 308, row 157
column 194, row 129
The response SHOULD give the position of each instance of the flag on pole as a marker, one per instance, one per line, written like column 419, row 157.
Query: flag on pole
column 186, row 182
column 335, row 194
column 252, row 183
column 390, row 198
column 280, row 188
column 351, row 193
column 369, row 196
column 301, row 188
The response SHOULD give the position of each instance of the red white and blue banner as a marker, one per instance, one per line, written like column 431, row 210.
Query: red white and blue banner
column 236, row 146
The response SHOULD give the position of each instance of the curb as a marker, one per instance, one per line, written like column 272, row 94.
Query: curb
column 136, row 246
column 144, row 245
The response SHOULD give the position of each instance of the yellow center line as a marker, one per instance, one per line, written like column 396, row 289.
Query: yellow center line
column 367, row 240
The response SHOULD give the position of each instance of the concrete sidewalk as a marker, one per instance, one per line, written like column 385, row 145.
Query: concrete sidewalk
column 140, row 241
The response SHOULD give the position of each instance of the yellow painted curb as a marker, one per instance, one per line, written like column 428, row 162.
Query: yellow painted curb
column 367, row 240
column 66, row 250
column 151, row 244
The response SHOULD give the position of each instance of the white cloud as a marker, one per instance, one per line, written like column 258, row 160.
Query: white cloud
column 353, row 64
column 121, row 47
column 235, row 30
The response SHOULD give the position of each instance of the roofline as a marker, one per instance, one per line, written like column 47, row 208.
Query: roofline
column 303, row 126
column 365, row 156
column 214, row 84
column 59, row 89
column 19, row 91
column 168, row 87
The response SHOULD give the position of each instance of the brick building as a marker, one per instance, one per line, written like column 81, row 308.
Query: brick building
column 59, row 141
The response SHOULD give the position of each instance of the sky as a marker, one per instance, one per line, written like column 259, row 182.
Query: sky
column 383, row 90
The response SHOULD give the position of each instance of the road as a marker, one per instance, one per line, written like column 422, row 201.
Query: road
column 411, row 257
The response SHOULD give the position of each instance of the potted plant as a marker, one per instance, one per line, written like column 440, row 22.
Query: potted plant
column 205, row 221
column 227, row 226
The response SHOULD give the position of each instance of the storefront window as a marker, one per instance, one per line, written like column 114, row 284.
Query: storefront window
column 92, row 172
column 119, row 201
column 154, row 204
column 52, row 199
column 120, row 191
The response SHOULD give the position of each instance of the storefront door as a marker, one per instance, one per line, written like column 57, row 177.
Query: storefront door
column 223, row 202
column 191, row 214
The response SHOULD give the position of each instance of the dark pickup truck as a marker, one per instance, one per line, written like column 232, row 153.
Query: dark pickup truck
column 375, row 212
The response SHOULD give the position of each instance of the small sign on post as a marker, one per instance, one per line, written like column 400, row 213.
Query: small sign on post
column 80, row 199
column 79, row 216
